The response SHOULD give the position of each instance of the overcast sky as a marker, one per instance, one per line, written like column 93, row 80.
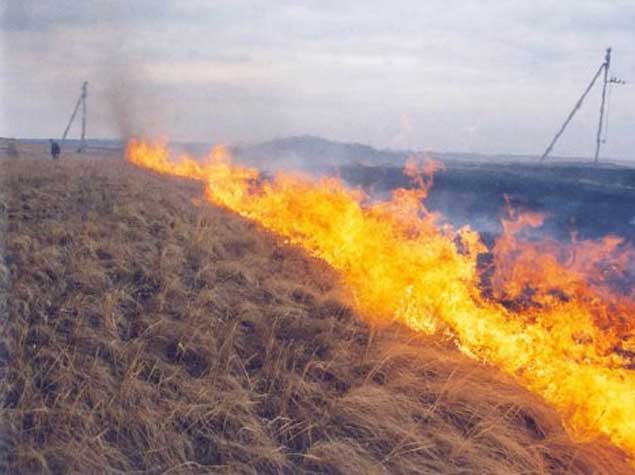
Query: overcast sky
column 481, row 76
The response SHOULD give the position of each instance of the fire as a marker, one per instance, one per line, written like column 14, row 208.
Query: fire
column 549, row 318
column 546, row 277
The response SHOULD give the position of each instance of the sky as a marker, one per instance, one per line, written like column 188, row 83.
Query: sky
column 465, row 76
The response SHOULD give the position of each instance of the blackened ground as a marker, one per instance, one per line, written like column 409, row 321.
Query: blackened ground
column 594, row 200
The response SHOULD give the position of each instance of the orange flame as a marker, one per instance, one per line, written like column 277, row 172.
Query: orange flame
column 568, row 344
column 547, row 276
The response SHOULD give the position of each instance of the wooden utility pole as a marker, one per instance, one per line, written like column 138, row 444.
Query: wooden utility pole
column 80, row 102
column 606, row 66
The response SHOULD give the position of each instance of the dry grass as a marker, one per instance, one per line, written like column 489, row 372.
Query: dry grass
column 147, row 334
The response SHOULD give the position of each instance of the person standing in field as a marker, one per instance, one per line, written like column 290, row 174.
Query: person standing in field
column 55, row 149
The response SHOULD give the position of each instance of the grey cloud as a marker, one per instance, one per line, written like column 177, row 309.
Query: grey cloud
column 245, row 69
column 42, row 15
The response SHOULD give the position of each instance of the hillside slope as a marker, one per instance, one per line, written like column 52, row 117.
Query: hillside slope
column 148, row 332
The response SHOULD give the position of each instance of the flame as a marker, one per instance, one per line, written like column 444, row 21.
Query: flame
column 571, row 288
column 568, row 340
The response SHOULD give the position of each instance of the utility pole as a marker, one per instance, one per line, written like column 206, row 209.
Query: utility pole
column 83, row 139
column 80, row 102
column 571, row 114
column 606, row 66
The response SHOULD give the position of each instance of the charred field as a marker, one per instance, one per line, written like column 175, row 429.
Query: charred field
column 591, row 200
column 147, row 331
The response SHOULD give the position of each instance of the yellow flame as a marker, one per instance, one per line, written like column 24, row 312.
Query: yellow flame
column 401, row 264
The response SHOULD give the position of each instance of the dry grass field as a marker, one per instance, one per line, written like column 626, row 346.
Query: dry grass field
column 145, row 331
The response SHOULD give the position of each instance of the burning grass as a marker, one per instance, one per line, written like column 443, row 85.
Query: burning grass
column 559, row 333
column 147, row 333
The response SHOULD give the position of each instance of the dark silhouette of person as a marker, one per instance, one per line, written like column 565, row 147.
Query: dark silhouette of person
column 55, row 149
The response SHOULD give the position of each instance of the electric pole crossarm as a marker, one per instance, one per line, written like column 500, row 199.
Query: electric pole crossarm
column 572, row 113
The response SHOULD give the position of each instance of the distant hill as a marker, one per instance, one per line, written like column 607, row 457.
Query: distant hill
column 309, row 153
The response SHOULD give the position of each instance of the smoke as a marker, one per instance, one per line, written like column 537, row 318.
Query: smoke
column 129, row 91
column 121, row 97
column 136, row 111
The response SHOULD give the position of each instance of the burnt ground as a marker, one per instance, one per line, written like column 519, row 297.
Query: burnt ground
column 594, row 200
